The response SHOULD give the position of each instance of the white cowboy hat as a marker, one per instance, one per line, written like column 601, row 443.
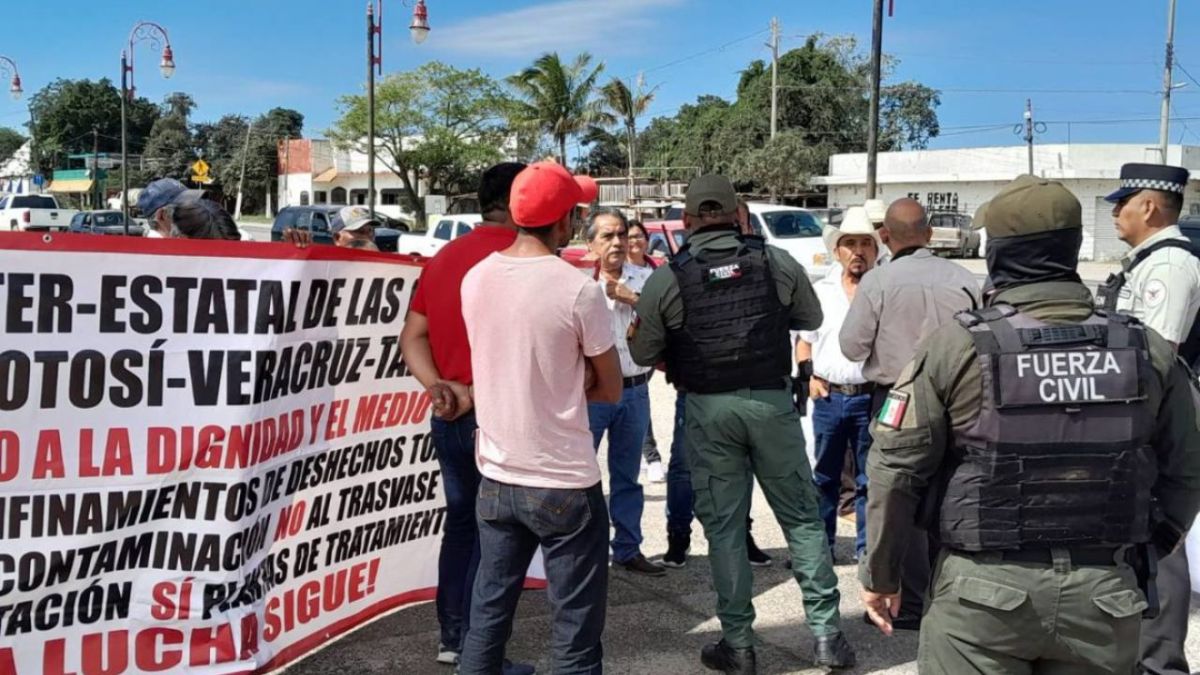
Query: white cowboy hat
column 854, row 221
column 876, row 211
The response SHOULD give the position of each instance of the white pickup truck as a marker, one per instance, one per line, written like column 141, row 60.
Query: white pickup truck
column 442, row 230
column 33, row 212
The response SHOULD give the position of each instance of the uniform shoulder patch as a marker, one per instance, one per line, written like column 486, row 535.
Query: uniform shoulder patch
column 1154, row 293
column 891, row 415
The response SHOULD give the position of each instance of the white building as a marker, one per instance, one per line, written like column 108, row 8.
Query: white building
column 962, row 179
column 314, row 171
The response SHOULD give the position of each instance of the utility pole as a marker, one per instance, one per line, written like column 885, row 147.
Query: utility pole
column 1029, row 131
column 237, row 209
column 873, row 114
column 1029, row 128
column 287, row 164
column 372, row 61
column 1164, row 128
column 96, row 190
column 774, row 76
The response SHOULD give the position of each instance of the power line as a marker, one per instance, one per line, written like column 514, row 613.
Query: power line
column 956, row 90
column 706, row 52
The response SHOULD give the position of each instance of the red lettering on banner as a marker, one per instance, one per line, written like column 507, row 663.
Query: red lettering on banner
column 7, row 663
column 208, row 450
column 164, row 607
column 249, row 636
column 53, row 657
column 96, row 661
column 297, row 607
column 160, row 450
column 315, row 413
column 48, row 463
column 10, row 458
column 118, row 457
column 147, row 654
column 335, row 426
column 213, row 645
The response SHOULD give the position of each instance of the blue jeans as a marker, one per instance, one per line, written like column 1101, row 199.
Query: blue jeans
column 626, row 424
column 571, row 526
column 838, row 422
column 679, row 477
column 459, row 556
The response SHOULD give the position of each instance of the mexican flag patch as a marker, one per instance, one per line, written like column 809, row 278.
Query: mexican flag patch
column 892, row 413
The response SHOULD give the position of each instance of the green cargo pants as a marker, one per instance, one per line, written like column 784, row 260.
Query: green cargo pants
column 987, row 615
column 734, row 437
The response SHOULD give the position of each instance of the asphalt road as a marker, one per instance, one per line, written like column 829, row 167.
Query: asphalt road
column 654, row 625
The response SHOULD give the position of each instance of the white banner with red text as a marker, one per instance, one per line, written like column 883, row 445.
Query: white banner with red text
column 213, row 458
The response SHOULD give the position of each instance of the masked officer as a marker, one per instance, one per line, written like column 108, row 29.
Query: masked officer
column 720, row 315
column 1051, row 448
column 1159, row 283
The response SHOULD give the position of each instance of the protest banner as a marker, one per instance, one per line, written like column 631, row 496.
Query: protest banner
column 213, row 457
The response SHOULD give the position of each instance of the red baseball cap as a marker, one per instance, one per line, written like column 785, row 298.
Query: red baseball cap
column 544, row 192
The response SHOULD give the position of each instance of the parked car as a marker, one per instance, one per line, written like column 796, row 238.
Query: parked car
column 34, row 212
column 954, row 235
column 794, row 230
column 830, row 216
column 104, row 222
column 446, row 229
column 320, row 220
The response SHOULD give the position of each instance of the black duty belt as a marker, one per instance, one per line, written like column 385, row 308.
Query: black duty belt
column 1099, row 557
column 853, row 389
column 637, row 380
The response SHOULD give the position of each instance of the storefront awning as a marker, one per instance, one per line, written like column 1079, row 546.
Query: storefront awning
column 65, row 186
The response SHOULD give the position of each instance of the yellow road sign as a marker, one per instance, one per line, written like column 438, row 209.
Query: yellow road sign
column 200, row 167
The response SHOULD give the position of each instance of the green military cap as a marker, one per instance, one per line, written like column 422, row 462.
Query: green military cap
column 1030, row 205
column 710, row 188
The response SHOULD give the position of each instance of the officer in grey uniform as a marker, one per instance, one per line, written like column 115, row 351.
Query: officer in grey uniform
column 1054, row 450
column 1159, row 284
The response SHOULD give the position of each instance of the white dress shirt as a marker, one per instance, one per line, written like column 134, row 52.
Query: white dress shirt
column 829, row 363
column 634, row 278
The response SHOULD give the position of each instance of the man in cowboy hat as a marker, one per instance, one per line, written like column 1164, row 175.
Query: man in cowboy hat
column 841, row 414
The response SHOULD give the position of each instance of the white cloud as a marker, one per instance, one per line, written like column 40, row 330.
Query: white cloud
column 572, row 25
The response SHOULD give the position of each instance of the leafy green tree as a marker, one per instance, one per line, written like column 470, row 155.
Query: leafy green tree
column 11, row 140
column 436, row 123
column 784, row 165
column 170, row 151
column 224, row 144
column 66, row 111
column 606, row 155
column 558, row 99
column 625, row 106
column 908, row 116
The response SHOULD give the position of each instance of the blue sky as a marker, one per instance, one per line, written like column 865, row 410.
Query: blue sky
column 1082, row 61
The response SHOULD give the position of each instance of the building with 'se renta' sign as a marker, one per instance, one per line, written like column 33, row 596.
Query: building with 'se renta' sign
column 959, row 180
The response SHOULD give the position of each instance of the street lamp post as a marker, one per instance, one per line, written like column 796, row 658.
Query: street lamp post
column 419, row 29
column 156, row 35
column 8, row 67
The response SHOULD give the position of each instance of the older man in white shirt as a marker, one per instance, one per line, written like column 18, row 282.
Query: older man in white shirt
column 624, row 422
column 841, row 413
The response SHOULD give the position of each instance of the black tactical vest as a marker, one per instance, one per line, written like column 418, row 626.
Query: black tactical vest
column 1060, row 452
column 1109, row 294
column 735, row 329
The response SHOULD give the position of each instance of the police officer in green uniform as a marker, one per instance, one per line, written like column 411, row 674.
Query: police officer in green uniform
column 1053, row 448
column 720, row 316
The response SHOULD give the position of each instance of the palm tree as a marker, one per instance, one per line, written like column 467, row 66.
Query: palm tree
column 626, row 106
column 557, row 98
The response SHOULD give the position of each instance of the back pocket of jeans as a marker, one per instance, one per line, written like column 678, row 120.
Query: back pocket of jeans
column 487, row 505
column 557, row 511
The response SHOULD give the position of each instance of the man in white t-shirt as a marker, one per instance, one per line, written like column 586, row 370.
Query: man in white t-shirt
column 841, row 413
column 535, row 325
column 625, row 422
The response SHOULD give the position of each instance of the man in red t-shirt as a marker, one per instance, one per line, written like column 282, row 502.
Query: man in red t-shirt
column 435, row 347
